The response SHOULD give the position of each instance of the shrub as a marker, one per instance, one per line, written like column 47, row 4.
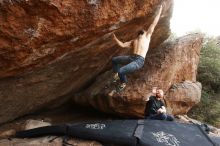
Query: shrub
column 209, row 67
column 208, row 110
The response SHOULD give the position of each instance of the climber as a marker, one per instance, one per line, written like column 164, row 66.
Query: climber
column 155, row 108
column 139, row 48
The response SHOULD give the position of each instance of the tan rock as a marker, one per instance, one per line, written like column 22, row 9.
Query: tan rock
column 52, row 49
column 30, row 124
column 7, row 133
column 182, row 96
column 46, row 141
column 171, row 63
column 35, row 33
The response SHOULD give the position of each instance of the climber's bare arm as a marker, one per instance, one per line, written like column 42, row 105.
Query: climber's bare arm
column 156, row 19
column 121, row 44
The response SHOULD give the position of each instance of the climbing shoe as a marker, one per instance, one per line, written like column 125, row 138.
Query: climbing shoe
column 115, row 77
column 120, row 87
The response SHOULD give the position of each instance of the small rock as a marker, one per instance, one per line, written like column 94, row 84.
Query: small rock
column 30, row 124
column 7, row 133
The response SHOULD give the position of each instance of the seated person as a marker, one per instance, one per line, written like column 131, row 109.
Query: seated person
column 155, row 108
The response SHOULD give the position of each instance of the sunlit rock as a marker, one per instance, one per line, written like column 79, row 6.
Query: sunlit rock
column 170, row 63
column 49, row 50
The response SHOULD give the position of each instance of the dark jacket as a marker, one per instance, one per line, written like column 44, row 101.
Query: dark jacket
column 152, row 106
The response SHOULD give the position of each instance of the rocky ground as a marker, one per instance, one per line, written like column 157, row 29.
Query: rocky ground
column 59, row 116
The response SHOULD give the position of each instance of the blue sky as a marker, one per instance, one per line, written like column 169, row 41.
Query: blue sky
column 191, row 15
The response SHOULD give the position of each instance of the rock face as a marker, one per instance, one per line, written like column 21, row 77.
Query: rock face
column 170, row 63
column 50, row 50
column 182, row 96
column 35, row 33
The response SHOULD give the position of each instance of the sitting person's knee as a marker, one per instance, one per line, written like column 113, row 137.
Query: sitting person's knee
column 170, row 118
column 163, row 116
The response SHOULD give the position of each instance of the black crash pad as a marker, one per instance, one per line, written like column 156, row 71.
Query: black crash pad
column 129, row 133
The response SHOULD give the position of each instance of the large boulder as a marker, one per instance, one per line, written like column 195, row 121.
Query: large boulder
column 36, row 33
column 182, row 96
column 171, row 63
column 50, row 50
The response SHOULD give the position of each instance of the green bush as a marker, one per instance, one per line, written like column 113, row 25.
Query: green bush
column 209, row 67
column 208, row 110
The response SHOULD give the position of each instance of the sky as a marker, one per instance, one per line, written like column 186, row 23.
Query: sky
column 191, row 15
